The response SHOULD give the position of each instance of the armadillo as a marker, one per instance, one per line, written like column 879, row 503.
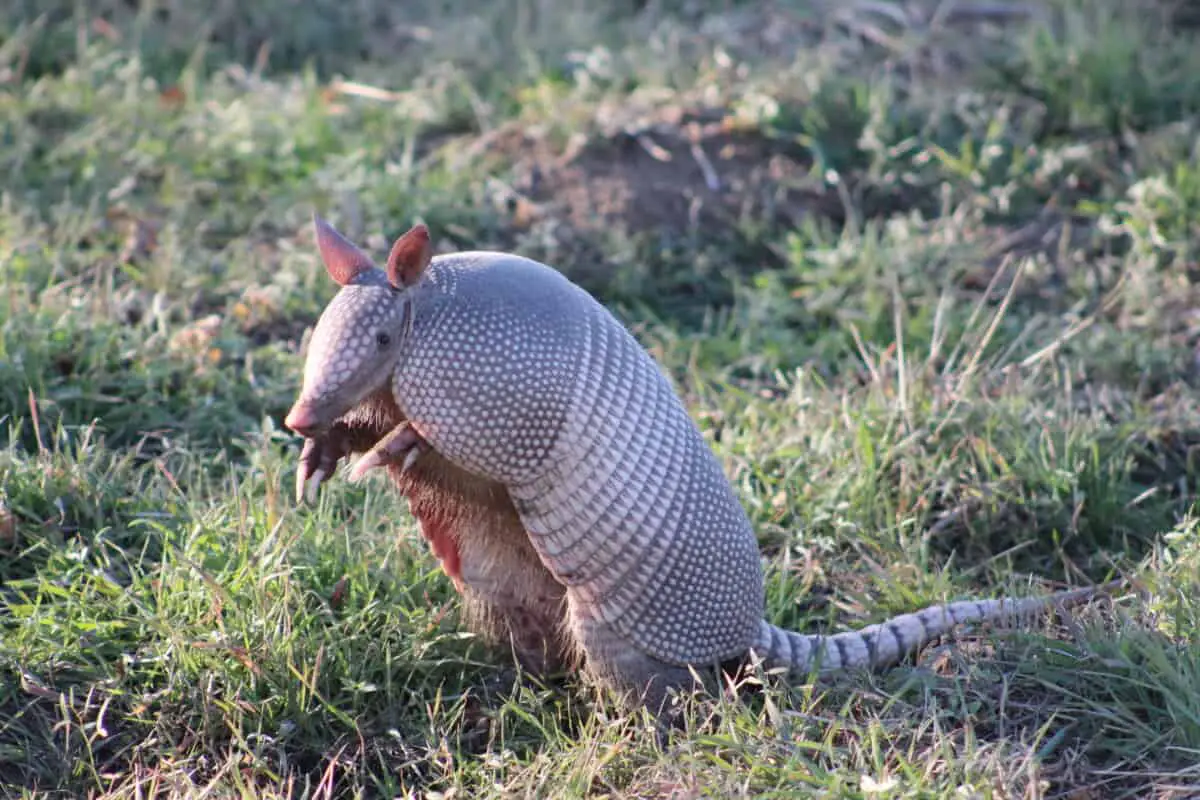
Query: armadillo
column 528, row 390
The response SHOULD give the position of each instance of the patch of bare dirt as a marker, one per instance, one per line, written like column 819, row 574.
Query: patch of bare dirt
column 644, row 177
column 676, row 178
column 679, row 181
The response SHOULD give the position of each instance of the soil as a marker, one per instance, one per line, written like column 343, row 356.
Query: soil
column 688, row 181
column 673, row 179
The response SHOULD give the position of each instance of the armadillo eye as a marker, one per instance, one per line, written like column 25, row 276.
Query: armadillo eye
column 382, row 339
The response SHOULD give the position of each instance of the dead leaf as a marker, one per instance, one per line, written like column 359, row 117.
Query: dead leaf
column 339, row 593
column 8, row 525
column 172, row 97
column 141, row 239
column 33, row 686
column 197, row 337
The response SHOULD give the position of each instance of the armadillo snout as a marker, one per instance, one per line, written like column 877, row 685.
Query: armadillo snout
column 304, row 420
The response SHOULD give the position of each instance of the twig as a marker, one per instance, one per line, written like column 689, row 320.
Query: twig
column 357, row 89
column 1078, row 328
column 37, row 425
column 656, row 151
column 711, row 179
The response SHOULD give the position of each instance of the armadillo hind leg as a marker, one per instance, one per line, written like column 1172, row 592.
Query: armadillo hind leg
column 510, row 599
column 638, row 679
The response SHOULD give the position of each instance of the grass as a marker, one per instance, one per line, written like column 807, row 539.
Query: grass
column 938, row 321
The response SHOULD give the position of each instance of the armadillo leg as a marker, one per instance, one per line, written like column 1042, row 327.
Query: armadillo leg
column 510, row 599
column 317, row 463
column 638, row 679
column 320, row 456
column 402, row 445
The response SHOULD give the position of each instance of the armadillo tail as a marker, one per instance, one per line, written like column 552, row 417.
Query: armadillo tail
column 889, row 642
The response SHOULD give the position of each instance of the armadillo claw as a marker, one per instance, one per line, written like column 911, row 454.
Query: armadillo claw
column 300, row 478
column 314, row 483
column 402, row 444
column 413, row 455
column 369, row 461
column 375, row 459
column 307, row 484
column 318, row 461
column 302, row 469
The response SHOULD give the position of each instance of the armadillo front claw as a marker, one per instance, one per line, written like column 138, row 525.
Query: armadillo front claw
column 312, row 485
column 369, row 461
column 402, row 444
column 413, row 455
column 308, row 483
column 318, row 460
column 300, row 478
column 303, row 479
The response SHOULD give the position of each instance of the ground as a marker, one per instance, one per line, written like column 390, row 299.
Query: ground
column 925, row 274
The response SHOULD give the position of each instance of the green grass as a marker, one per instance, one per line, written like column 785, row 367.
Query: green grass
column 940, row 325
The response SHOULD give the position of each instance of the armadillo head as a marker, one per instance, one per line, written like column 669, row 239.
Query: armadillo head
column 357, row 339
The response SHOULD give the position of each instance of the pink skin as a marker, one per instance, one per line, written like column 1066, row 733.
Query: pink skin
column 444, row 545
column 302, row 420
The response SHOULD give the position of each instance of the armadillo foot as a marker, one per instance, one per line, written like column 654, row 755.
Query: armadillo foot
column 318, row 461
column 639, row 679
column 402, row 445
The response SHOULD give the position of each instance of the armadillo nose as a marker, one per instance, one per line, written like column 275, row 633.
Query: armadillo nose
column 302, row 419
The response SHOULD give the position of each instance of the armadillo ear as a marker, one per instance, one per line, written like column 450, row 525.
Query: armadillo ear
column 343, row 260
column 409, row 257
